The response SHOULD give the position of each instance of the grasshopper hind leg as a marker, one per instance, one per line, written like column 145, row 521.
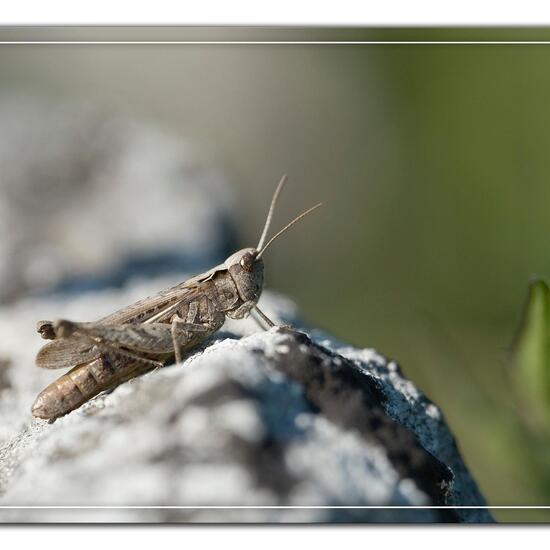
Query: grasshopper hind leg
column 107, row 348
column 46, row 330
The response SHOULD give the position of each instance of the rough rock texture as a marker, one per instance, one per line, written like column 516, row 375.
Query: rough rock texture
column 88, row 198
column 285, row 425
column 253, row 418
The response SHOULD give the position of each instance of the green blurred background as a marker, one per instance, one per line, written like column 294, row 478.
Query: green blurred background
column 433, row 162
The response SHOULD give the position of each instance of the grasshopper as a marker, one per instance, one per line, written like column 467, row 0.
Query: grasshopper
column 152, row 332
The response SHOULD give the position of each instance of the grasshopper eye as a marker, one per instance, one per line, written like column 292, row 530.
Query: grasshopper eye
column 247, row 262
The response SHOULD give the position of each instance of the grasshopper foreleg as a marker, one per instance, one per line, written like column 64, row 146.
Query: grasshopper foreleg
column 263, row 317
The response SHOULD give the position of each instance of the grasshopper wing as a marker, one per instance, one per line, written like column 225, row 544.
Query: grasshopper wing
column 75, row 350
column 161, row 306
column 66, row 353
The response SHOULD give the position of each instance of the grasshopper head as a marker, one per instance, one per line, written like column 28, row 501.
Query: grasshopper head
column 247, row 267
column 247, row 270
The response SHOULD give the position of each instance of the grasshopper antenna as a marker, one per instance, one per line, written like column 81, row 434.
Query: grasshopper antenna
column 280, row 186
column 287, row 226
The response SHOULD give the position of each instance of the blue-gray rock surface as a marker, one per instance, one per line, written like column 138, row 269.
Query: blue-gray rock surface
column 291, row 425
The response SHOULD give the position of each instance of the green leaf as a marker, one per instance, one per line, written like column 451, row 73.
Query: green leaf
column 532, row 354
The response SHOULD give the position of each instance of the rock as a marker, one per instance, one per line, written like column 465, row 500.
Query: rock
column 254, row 419
column 89, row 199
column 284, row 425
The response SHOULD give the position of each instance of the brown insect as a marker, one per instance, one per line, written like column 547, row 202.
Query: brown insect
column 153, row 332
